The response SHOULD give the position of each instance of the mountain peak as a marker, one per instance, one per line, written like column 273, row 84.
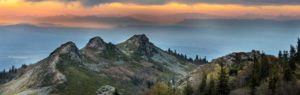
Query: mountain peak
column 96, row 43
column 139, row 44
column 66, row 48
column 140, row 36
column 140, row 39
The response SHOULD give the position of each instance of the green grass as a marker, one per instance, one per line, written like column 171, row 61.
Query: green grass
column 81, row 81
column 111, row 53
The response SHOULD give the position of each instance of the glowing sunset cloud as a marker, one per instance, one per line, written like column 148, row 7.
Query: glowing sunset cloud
column 109, row 14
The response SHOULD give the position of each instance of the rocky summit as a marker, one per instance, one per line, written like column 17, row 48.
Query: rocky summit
column 96, row 43
column 138, row 45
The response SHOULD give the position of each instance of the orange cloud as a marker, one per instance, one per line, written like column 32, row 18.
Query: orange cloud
column 19, row 11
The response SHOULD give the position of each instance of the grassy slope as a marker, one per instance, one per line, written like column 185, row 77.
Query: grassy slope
column 79, row 81
column 82, row 81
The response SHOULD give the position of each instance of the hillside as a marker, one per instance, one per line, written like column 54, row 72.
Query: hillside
column 131, row 67
column 246, row 73
column 138, row 67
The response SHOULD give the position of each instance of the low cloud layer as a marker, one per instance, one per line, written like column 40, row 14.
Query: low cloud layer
column 125, row 13
column 155, row 2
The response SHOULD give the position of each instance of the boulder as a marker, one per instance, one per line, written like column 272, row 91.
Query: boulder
column 107, row 90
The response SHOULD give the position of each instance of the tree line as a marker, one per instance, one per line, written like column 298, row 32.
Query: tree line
column 197, row 60
column 8, row 74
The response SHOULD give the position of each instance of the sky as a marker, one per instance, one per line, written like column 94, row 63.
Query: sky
column 31, row 29
column 104, row 14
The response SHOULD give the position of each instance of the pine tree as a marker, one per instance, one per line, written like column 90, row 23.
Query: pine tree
column 205, row 60
column 10, row 70
column 264, row 68
column 1, row 76
column 181, row 56
column 223, row 87
column 190, row 59
column 211, row 88
column 202, row 86
column 169, row 51
column 287, row 72
column 5, row 74
column 24, row 66
column 298, row 46
column 254, row 76
column 116, row 92
column 298, row 52
column 273, row 84
column 14, row 70
column 292, row 61
column 280, row 59
column 188, row 90
column 197, row 58
column 237, row 59
column 285, row 56
column 280, row 55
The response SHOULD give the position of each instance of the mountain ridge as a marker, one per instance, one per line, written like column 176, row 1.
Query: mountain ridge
column 98, row 63
column 137, row 67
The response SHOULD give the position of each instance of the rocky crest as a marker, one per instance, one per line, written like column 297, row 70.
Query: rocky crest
column 242, row 56
column 96, row 43
column 138, row 44
column 68, row 49
column 139, row 40
column 96, row 47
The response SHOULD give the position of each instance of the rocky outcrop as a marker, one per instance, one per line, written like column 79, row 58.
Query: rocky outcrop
column 237, row 56
column 107, row 90
column 96, row 43
column 96, row 50
column 138, row 44
column 139, row 40
column 68, row 49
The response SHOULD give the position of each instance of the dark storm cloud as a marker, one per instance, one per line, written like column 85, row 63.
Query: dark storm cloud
column 153, row 2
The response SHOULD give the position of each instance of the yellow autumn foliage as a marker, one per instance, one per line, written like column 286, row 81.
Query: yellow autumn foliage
column 159, row 88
